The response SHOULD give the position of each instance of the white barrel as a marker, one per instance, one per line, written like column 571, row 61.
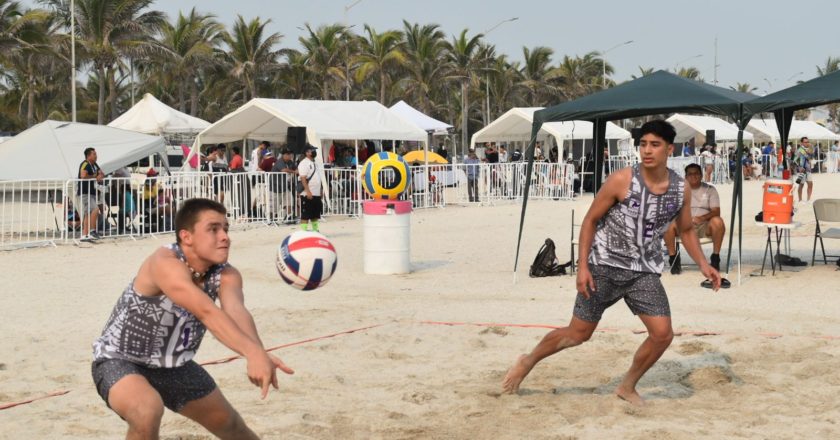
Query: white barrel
column 387, row 237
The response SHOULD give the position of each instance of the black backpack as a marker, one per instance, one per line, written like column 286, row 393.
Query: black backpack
column 546, row 263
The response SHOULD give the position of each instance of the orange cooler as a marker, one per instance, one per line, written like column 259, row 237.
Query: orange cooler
column 778, row 201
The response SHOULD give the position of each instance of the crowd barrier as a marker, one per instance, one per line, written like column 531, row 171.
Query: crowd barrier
column 36, row 213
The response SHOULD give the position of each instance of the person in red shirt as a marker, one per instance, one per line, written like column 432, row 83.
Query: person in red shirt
column 268, row 161
column 236, row 160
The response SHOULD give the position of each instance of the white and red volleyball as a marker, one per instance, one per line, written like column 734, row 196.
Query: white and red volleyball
column 306, row 260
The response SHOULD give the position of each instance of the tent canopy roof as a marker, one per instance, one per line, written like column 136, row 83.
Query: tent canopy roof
column 420, row 119
column 818, row 91
column 268, row 119
column 154, row 117
column 766, row 130
column 657, row 93
column 54, row 150
column 688, row 126
column 516, row 123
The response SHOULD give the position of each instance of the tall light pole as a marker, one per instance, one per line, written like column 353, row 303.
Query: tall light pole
column 795, row 75
column 73, row 59
column 604, row 61
column 487, row 75
column 347, row 8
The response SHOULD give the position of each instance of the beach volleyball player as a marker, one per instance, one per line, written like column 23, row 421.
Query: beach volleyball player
column 621, row 257
column 143, row 359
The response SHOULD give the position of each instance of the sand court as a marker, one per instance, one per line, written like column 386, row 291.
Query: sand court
column 756, row 361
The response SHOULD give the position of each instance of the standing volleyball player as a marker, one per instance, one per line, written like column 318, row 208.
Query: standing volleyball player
column 143, row 359
column 621, row 257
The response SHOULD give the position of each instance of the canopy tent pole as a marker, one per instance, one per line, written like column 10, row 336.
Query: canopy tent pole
column 358, row 176
column 599, row 134
column 784, row 119
column 529, row 170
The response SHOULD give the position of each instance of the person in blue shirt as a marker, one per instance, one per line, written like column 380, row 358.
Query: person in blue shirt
column 768, row 153
column 472, row 175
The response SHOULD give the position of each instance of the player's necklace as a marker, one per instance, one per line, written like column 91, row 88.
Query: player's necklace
column 195, row 274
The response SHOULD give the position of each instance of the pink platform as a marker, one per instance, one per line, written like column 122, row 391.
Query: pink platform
column 380, row 207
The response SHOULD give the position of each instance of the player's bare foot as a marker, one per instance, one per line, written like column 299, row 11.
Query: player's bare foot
column 630, row 396
column 516, row 374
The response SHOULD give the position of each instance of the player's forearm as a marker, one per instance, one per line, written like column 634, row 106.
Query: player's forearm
column 587, row 234
column 226, row 330
column 245, row 322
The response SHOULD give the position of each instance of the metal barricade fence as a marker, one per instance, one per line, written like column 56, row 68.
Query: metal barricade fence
column 31, row 213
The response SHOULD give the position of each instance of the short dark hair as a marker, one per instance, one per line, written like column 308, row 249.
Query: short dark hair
column 187, row 215
column 235, row 150
column 693, row 165
column 660, row 128
column 266, row 143
column 803, row 139
column 221, row 147
column 211, row 149
column 89, row 150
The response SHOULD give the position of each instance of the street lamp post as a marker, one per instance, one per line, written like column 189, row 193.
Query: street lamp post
column 73, row 59
column 487, row 75
column 347, row 8
column 604, row 61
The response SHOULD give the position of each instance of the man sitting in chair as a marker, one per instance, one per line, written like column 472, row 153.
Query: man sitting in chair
column 705, row 214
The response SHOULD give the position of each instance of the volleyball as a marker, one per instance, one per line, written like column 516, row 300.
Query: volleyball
column 306, row 260
column 385, row 176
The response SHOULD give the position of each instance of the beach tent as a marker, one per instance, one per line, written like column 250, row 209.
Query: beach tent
column 765, row 130
column 692, row 126
column 420, row 119
column 151, row 116
column 655, row 94
column 516, row 124
column 818, row 91
column 54, row 150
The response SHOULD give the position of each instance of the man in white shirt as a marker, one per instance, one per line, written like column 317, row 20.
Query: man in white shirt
column 256, row 156
column 705, row 215
column 310, row 190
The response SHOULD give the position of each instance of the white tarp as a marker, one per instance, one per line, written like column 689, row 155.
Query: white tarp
column 765, row 130
column 54, row 150
column 515, row 125
column 692, row 126
column 420, row 119
column 151, row 116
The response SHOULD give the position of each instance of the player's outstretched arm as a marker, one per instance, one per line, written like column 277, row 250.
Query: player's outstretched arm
column 173, row 279
column 613, row 190
column 689, row 239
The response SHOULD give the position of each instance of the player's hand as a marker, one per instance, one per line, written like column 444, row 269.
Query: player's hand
column 711, row 274
column 585, row 282
column 308, row 196
column 261, row 371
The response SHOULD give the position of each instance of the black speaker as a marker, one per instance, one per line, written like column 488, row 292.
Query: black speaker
column 710, row 137
column 637, row 136
column 296, row 139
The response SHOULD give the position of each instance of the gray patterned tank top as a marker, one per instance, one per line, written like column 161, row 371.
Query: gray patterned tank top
column 629, row 236
column 152, row 330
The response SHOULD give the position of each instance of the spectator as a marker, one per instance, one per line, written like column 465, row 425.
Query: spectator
column 708, row 155
column 310, row 194
column 257, row 155
column 281, row 185
column 517, row 155
column 73, row 220
column 503, row 156
column 768, row 154
column 236, row 161
column 705, row 216
column 86, row 190
column 217, row 163
column 121, row 197
column 803, row 161
column 490, row 154
column 834, row 157
column 472, row 164
column 747, row 166
column 442, row 151
column 268, row 161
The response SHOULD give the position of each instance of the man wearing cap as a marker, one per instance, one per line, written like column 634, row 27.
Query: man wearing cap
column 86, row 190
column 310, row 194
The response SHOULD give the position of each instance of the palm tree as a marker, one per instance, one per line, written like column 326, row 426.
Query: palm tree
column 190, row 45
column 743, row 87
column 327, row 51
column 536, row 74
column 579, row 76
column 466, row 63
column 108, row 31
column 250, row 56
column 832, row 64
column 377, row 54
column 423, row 81
column 293, row 79
column 690, row 72
column 644, row 72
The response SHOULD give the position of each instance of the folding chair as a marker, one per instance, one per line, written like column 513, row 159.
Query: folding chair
column 825, row 210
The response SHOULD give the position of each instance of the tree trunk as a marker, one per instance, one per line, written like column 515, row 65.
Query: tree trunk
column 464, row 117
column 382, row 86
column 30, row 95
column 193, row 97
column 325, row 89
column 112, row 95
column 182, row 105
column 100, row 111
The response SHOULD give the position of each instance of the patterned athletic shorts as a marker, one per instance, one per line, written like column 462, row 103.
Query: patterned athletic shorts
column 176, row 386
column 642, row 291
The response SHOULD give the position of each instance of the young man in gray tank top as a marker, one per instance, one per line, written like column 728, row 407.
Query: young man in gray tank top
column 621, row 257
column 143, row 359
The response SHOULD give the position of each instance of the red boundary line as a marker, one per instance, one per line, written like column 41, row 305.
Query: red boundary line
column 24, row 402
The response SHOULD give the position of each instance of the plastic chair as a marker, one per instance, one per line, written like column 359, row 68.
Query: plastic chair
column 825, row 210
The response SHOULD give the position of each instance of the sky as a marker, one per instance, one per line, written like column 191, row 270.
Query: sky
column 769, row 45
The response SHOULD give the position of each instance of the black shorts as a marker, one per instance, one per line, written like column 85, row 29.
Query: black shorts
column 642, row 291
column 176, row 386
column 310, row 209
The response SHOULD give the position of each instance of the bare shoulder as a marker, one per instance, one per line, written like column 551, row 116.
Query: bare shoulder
column 230, row 275
column 618, row 182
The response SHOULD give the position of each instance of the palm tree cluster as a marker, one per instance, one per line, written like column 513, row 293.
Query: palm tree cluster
column 196, row 64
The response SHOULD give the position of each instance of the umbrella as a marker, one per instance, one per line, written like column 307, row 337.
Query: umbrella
column 417, row 156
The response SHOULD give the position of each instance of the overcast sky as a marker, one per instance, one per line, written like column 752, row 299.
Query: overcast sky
column 764, row 43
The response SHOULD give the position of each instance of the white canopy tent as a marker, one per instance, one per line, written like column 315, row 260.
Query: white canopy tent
column 515, row 126
column 151, row 116
column 694, row 127
column 54, row 150
column 420, row 119
column 765, row 130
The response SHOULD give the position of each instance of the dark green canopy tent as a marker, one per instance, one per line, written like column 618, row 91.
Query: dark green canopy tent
column 818, row 91
column 658, row 93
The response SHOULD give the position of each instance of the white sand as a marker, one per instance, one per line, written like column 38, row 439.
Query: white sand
column 409, row 380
